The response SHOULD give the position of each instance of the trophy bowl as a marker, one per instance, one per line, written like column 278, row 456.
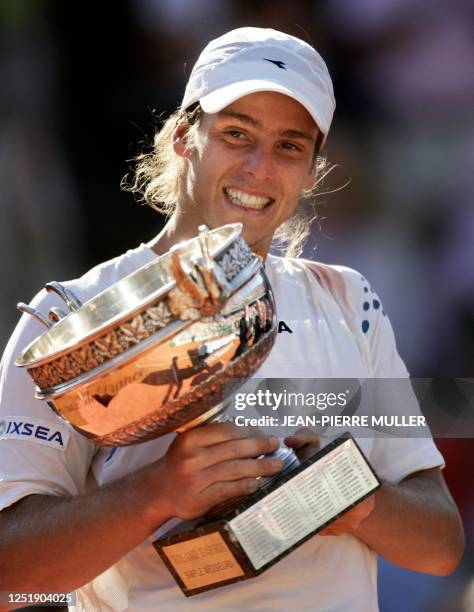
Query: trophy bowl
column 152, row 353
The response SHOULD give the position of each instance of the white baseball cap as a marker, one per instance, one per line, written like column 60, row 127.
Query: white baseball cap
column 249, row 60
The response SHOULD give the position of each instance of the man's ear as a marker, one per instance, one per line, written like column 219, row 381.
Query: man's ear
column 180, row 144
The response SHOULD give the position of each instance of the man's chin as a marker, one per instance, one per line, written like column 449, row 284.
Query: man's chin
column 258, row 243
column 253, row 236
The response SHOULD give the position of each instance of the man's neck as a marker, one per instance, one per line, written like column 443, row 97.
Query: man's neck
column 176, row 231
column 173, row 233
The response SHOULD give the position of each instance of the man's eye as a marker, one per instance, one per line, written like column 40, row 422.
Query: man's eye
column 290, row 146
column 236, row 134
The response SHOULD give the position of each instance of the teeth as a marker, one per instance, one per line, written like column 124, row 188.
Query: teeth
column 247, row 201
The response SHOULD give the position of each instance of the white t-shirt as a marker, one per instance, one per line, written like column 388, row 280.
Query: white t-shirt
column 335, row 335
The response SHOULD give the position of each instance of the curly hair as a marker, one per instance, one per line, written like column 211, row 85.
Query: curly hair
column 158, row 180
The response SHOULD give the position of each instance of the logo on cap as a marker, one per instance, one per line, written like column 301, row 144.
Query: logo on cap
column 3, row 427
column 278, row 63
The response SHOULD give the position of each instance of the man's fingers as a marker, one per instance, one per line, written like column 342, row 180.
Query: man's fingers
column 222, row 491
column 245, row 448
column 243, row 468
column 350, row 521
column 302, row 437
column 215, row 433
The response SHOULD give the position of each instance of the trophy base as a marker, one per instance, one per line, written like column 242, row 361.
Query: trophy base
column 266, row 526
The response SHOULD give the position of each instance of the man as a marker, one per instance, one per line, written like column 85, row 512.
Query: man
column 243, row 147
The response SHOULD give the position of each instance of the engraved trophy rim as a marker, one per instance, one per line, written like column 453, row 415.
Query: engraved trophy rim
column 122, row 298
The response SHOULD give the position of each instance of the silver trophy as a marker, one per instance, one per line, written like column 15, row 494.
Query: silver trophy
column 151, row 354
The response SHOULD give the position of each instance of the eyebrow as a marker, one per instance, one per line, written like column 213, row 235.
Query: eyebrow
column 247, row 119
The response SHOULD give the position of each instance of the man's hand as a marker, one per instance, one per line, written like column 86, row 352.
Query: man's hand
column 304, row 442
column 211, row 464
column 77, row 538
column 351, row 520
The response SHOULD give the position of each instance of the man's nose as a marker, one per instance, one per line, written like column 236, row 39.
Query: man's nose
column 259, row 164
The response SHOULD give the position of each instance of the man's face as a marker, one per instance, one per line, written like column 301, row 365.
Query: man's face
column 250, row 164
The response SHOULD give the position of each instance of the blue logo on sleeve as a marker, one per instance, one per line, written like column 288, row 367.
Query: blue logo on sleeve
column 34, row 430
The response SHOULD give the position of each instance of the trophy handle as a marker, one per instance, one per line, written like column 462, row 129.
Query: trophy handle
column 22, row 307
column 56, row 314
column 72, row 302
column 203, row 243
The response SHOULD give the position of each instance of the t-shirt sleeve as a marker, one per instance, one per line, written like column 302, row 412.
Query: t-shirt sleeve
column 39, row 452
column 392, row 457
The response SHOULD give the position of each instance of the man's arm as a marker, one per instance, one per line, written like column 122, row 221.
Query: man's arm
column 58, row 544
column 414, row 524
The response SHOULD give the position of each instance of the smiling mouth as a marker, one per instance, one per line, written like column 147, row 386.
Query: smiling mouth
column 245, row 200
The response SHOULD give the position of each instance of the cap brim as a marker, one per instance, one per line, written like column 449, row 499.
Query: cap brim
column 220, row 98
